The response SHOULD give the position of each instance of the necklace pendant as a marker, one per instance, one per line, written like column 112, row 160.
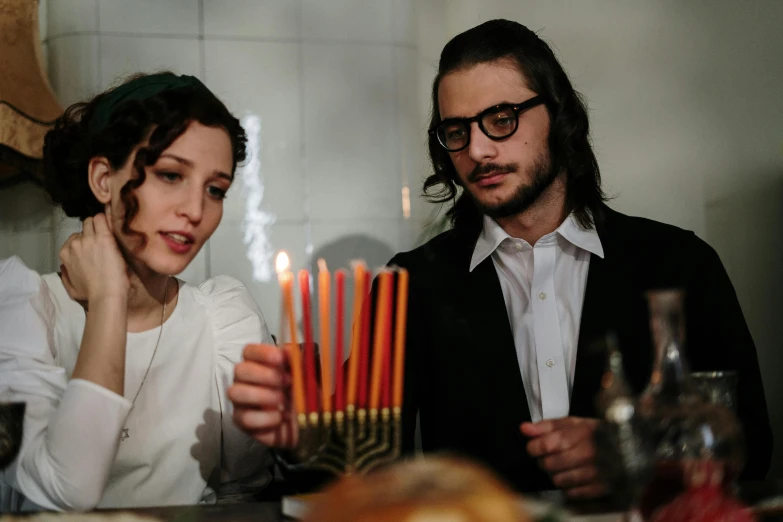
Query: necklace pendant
column 125, row 435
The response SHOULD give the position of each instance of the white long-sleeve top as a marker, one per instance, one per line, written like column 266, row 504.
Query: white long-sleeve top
column 180, row 442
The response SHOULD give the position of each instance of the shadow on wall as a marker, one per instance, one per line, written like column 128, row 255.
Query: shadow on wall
column 345, row 249
column 25, row 225
column 339, row 254
column 24, row 206
column 747, row 231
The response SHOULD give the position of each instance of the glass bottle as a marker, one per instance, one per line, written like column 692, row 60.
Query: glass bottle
column 623, row 455
column 688, row 432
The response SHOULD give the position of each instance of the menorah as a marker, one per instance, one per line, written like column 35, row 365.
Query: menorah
column 358, row 426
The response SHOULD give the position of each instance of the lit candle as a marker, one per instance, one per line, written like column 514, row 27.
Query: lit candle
column 311, row 386
column 324, row 283
column 286, row 280
column 353, row 359
column 364, row 343
column 399, row 337
column 339, row 394
column 382, row 325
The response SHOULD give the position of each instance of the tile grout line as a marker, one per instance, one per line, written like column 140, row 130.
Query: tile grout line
column 229, row 38
column 203, row 73
column 308, row 226
column 98, row 51
column 396, row 107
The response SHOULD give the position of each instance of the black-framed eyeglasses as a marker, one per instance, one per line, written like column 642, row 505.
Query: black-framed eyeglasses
column 497, row 123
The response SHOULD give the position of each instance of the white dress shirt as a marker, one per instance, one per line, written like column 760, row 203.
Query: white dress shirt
column 180, row 442
column 543, row 288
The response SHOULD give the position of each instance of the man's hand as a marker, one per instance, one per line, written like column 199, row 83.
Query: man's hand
column 564, row 448
column 262, row 396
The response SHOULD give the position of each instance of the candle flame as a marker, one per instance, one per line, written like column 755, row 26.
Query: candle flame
column 322, row 265
column 357, row 262
column 282, row 263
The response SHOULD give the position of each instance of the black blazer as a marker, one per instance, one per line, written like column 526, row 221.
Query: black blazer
column 462, row 374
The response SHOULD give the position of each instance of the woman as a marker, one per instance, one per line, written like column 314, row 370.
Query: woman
column 126, row 399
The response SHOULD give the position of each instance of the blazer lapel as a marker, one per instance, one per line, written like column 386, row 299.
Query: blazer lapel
column 609, row 305
column 596, row 321
column 488, row 320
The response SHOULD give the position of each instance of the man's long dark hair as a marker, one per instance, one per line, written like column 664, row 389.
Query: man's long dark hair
column 569, row 143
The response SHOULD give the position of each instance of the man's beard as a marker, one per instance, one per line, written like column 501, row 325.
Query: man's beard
column 542, row 175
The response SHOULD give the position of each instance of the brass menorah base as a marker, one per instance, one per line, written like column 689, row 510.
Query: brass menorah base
column 354, row 441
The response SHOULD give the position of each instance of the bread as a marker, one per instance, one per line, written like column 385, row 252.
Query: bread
column 426, row 489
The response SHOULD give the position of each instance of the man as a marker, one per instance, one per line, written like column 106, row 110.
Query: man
column 504, row 306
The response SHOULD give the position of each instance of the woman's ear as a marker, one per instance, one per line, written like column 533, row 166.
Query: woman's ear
column 98, row 174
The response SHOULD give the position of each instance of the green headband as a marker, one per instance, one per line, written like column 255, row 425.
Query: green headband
column 138, row 89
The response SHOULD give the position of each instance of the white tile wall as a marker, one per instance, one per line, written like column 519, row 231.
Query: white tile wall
column 347, row 20
column 24, row 207
column 263, row 79
column 403, row 30
column 171, row 17
column 229, row 257
column 73, row 67
column 25, row 226
column 196, row 272
column 43, row 20
column 62, row 228
column 412, row 234
column 32, row 247
column 412, row 129
column 71, row 16
column 125, row 55
column 350, row 133
column 252, row 18
column 332, row 108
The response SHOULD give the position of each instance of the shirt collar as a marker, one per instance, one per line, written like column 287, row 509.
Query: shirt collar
column 492, row 236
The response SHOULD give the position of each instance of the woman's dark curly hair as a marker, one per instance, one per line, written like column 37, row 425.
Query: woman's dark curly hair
column 74, row 141
column 569, row 142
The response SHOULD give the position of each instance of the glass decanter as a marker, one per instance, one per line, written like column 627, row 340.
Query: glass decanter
column 687, row 431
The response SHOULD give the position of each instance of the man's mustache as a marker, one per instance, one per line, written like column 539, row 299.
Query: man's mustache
column 487, row 168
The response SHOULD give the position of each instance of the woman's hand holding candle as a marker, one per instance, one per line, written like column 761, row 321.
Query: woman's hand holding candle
column 261, row 395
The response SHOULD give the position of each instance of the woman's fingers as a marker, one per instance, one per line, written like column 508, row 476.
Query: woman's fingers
column 88, row 226
column 248, row 372
column 256, row 396
column 253, row 420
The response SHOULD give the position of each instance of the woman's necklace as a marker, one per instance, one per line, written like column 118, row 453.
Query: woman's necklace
column 126, row 431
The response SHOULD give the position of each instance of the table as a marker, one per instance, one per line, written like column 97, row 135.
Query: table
column 270, row 510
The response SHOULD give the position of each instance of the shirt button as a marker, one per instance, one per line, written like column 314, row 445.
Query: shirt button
column 542, row 296
column 550, row 363
column 518, row 247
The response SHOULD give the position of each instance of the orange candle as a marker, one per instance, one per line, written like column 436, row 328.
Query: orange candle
column 364, row 343
column 311, row 385
column 387, row 340
column 339, row 394
column 286, row 280
column 353, row 360
column 382, row 325
column 324, row 315
column 399, row 337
